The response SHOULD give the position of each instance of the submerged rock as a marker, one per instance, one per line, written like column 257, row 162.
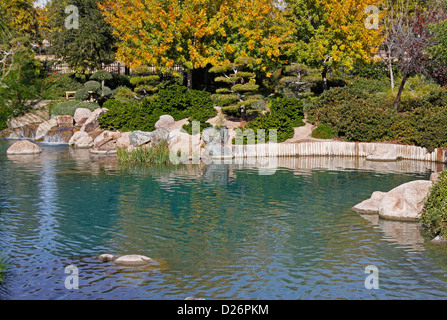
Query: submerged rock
column 127, row 260
column 23, row 147
column 439, row 240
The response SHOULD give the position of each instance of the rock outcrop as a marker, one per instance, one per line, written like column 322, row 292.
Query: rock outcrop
column 81, row 113
column 406, row 201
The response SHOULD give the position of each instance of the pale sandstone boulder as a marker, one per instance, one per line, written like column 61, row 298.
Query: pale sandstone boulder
column 23, row 147
column 371, row 205
column 81, row 113
column 123, row 141
column 81, row 139
column 92, row 122
column 165, row 122
column 406, row 201
column 65, row 121
column 44, row 127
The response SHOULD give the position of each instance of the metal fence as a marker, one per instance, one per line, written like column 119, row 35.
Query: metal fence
column 114, row 68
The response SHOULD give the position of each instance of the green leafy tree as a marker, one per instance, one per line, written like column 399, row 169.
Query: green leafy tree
column 83, row 46
column 332, row 33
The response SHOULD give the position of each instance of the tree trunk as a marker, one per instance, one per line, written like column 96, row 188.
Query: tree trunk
column 324, row 76
column 399, row 93
column 390, row 67
column 189, row 79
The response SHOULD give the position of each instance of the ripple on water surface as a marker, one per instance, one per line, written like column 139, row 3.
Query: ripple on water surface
column 217, row 232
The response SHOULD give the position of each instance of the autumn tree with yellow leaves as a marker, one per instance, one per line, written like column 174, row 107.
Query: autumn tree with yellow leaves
column 198, row 33
column 333, row 33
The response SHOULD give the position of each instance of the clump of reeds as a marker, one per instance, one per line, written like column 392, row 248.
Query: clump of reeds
column 158, row 154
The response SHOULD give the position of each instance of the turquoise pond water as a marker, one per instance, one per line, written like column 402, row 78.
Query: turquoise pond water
column 216, row 232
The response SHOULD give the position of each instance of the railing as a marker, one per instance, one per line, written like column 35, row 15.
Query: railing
column 114, row 68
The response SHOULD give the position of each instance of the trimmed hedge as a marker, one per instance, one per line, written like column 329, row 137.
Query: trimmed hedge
column 69, row 107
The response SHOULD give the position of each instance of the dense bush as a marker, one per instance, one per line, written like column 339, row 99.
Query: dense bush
column 176, row 101
column 5, row 113
column 69, row 107
column 350, row 114
column 356, row 115
column 284, row 115
column 129, row 116
column 289, row 107
column 323, row 131
column 58, row 84
column 434, row 215
column 281, row 123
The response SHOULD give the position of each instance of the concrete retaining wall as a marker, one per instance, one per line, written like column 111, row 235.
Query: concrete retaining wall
column 336, row 148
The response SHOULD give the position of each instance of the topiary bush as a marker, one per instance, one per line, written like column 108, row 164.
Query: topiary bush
column 323, row 131
column 434, row 215
column 81, row 94
column 92, row 85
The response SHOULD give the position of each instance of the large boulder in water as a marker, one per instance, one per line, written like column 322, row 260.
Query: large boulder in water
column 406, row 201
column 371, row 205
column 81, row 139
column 23, row 147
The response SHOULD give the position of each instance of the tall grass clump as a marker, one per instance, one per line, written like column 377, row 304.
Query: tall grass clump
column 158, row 154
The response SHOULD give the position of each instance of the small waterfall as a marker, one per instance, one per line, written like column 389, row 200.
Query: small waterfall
column 25, row 132
column 59, row 135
